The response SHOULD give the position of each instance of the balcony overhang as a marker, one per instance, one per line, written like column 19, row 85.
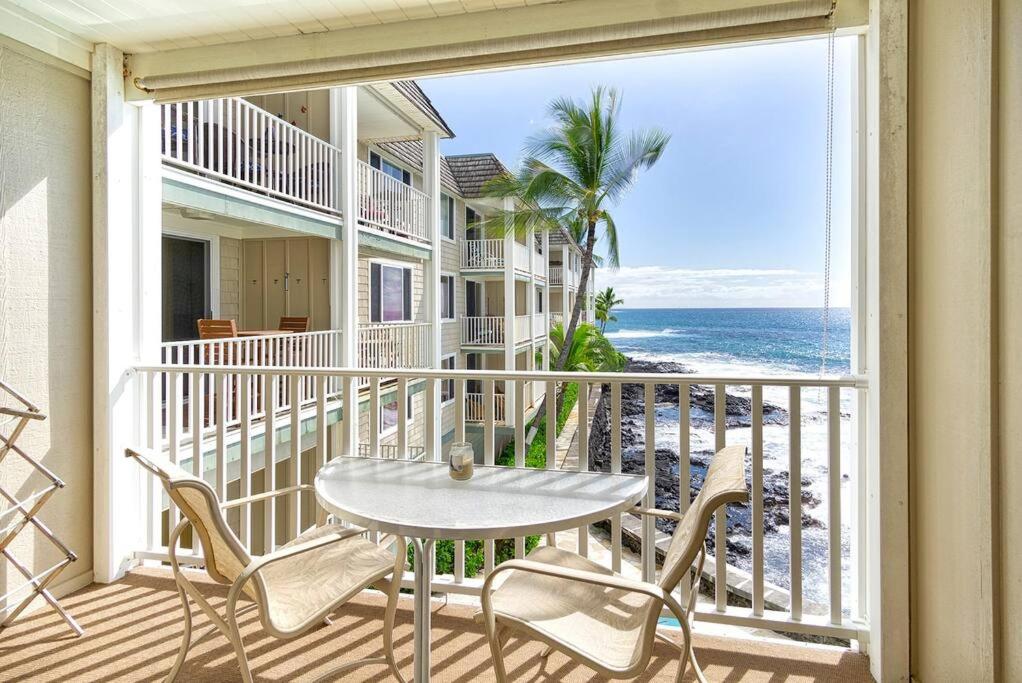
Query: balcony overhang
column 187, row 191
column 372, row 238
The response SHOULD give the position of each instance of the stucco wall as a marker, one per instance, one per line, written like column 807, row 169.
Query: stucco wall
column 46, row 295
column 965, row 279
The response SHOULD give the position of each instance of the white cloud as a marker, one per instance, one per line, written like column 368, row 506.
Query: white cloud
column 663, row 287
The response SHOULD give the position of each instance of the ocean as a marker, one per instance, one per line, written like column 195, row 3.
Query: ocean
column 776, row 341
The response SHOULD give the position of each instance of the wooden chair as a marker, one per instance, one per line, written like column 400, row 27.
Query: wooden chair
column 293, row 324
column 294, row 588
column 217, row 329
column 595, row 616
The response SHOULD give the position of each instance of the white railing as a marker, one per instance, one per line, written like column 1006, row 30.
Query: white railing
column 475, row 408
column 482, row 254
column 811, row 517
column 394, row 345
column 556, row 275
column 538, row 325
column 522, row 257
column 236, row 142
column 523, row 331
column 482, row 330
column 389, row 204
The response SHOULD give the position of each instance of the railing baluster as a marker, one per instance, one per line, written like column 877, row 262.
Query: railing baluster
column 834, row 500
column 551, row 438
column 321, row 420
column 245, row 461
column 720, row 517
column 520, row 448
column 795, row 497
column 615, row 468
column 295, row 464
column 195, row 401
column 648, row 522
column 583, row 455
column 269, row 462
column 459, row 436
column 220, row 402
column 174, row 416
column 685, row 470
column 488, row 458
column 154, row 489
column 757, row 500
column 402, row 417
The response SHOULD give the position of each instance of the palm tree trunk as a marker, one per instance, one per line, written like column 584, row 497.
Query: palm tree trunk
column 569, row 333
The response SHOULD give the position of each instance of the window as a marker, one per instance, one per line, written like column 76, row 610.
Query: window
column 539, row 300
column 389, row 417
column 447, row 385
column 390, row 290
column 471, row 230
column 393, row 170
column 447, row 297
column 447, row 216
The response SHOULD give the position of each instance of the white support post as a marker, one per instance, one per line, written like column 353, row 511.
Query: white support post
column 431, row 186
column 530, row 310
column 566, row 298
column 509, row 313
column 344, row 134
column 546, row 301
column 126, row 304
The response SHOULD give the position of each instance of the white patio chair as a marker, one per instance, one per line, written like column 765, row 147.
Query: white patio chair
column 294, row 588
column 595, row 616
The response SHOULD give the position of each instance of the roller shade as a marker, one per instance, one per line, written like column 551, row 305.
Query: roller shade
column 702, row 22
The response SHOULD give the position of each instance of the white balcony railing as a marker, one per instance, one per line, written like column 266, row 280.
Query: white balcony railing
column 475, row 408
column 236, row 142
column 394, row 345
column 556, row 275
column 482, row 330
column 538, row 326
column 232, row 454
column 482, row 254
column 388, row 204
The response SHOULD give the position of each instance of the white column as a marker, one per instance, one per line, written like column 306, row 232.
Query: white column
column 126, row 256
column 546, row 301
column 530, row 307
column 344, row 264
column 566, row 274
column 509, row 313
column 431, row 186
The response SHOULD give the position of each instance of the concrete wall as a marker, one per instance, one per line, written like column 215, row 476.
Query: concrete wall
column 965, row 326
column 46, row 295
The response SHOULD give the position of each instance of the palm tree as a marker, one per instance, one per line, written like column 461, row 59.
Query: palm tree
column 589, row 350
column 605, row 303
column 572, row 174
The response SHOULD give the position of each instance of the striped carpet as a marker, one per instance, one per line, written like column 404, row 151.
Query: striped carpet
column 133, row 629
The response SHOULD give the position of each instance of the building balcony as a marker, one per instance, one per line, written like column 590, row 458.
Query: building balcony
column 487, row 256
column 561, row 278
column 233, row 143
column 489, row 331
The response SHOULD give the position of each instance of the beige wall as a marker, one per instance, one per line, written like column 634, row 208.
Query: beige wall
column 230, row 278
column 965, row 280
column 46, row 295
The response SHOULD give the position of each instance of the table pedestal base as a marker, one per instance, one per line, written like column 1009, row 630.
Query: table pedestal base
column 423, row 566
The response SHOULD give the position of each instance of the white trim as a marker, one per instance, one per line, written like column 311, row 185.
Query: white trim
column 392, row 263
column 454, row 221
column 32, row 30
column 454, row 356
column 214, row 263
column 454, row 296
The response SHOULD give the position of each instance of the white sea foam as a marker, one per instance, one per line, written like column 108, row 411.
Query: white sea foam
column 643, row 334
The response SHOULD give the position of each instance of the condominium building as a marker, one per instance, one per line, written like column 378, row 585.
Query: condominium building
column 252, row 232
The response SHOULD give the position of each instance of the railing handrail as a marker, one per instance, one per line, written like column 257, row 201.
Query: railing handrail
column 848, row 381
column 287, row 335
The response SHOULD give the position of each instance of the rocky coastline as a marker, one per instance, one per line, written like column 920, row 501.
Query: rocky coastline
column 738, row 413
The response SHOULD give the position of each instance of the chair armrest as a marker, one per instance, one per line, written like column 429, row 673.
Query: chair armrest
column 248, row 500
column 653, row 512
column 608, row 580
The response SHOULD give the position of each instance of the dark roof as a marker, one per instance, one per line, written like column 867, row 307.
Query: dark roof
column 410, row 152
column 472, row 171
column 415, row 94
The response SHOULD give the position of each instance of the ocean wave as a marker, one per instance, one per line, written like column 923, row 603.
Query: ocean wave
column 643, row 334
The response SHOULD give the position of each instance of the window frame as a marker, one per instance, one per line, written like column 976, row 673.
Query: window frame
column 380, row 159
column 408, row 316
column 448, row 201
column 453, row 357
column 452, row 296
column 388, row 431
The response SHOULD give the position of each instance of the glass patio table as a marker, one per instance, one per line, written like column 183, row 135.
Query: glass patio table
column 419, row 500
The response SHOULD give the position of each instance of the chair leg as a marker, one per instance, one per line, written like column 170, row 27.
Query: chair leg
column 493, row 635
column 393, row 590
column 239, row 649
column 186, row 638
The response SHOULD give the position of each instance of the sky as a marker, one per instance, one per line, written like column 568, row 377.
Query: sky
column 732, row 215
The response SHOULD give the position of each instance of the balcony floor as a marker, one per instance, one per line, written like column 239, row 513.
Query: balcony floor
column 133, row 629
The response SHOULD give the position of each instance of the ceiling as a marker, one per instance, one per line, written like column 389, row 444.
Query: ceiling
column 138, row 26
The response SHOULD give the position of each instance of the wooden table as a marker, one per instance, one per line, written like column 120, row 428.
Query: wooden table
column 421, row 501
